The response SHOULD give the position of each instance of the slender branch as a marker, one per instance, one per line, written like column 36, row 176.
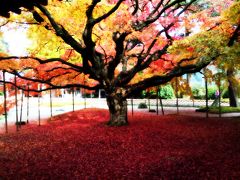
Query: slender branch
column 25, row 23
column 156, row 37
column 125, row 77
column 186, row 7
column 138, row 26
column 59, row 68
column 5, row 23
column 106, row 15
column 156, row 8
column 175, row 72
column 74, row 66
column 26, row 88
column 61, row 31
column 136, row 7
column 53, row 86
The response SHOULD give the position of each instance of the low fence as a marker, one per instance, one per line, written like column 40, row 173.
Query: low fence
column 173, row 102
column 37, row 108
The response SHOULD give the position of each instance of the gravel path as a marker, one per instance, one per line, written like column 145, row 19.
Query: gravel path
column 45, row 111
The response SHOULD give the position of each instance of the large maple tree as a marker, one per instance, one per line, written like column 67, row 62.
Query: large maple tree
column 120, row 46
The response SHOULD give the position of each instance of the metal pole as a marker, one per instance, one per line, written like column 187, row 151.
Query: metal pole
column 5, row 102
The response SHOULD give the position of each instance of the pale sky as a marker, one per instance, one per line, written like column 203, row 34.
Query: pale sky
column 17, row 41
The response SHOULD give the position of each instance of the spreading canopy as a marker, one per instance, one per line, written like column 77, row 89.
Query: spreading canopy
column 112, row 43
column 121, row 46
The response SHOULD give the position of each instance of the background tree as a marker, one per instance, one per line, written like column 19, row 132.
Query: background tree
column 223, row 39
column 119, row 46
column 229, row 61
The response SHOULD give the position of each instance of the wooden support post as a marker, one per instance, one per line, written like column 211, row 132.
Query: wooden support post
column 132, row 105
column 39, row 112
column 21, row 109
column 206, row 93
column 28, row 94
column 177, row 95
column 16, row 101
column 5, row 102
column 157, row 99
column 161, row 104
column 219, row 96
column 73, row 100
column 149, row 105
column 51, row 107
column 85, row 101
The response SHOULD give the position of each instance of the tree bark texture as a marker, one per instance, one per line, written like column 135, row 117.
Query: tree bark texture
column 233, row 100
column 118, row 110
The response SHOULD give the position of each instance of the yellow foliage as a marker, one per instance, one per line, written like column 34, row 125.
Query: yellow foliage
column 232, row 14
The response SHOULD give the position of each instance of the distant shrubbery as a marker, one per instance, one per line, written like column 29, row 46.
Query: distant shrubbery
column 166, row 92
column 215, row 109
column 142, row 106
column 199, row 92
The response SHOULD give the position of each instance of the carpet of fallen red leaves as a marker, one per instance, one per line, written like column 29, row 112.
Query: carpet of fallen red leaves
column 79, row 145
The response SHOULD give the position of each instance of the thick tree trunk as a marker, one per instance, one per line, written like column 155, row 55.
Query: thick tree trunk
column 233, row 100
column 117, row 109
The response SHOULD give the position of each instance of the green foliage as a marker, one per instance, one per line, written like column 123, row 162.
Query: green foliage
column 166, row 92
column 148, row 94
column 1, row 93
column 214, row 14
column 225, row 94
column 200, row 93
column 215, row 109
column 142, row 106
column 143, row 94
column 212, row 92
column 233, row 13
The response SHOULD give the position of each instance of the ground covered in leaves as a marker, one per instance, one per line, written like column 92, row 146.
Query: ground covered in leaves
column 79, row 145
